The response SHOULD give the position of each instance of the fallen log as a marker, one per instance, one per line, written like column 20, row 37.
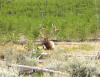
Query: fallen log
column 30, row 69
column 24, row 69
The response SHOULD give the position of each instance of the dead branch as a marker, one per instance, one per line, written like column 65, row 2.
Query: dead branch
column 36, row 69
column 24, row 69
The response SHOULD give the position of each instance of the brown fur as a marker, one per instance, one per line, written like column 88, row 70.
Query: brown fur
column 47, row 44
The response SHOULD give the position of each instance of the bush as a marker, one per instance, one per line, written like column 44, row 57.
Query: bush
column 85, row 68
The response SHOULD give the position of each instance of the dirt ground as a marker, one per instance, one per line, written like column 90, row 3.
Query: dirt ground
column 67, row 46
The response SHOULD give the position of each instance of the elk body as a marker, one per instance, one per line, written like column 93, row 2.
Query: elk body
column 48, row 44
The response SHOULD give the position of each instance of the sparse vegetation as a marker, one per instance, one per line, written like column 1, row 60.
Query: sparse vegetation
column 57, row 60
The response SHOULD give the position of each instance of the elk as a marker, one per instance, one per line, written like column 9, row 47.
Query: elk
column 45, row 34
column 48, row 44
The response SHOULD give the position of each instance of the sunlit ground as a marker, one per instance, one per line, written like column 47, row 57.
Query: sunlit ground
column 62, row 57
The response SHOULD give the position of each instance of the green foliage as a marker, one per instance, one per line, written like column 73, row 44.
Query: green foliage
column 76, row 19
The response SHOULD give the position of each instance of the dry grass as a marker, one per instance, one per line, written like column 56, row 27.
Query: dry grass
column 57, row 60
column 6, row 71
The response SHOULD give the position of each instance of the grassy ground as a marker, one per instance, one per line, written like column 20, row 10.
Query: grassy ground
column 75, row 19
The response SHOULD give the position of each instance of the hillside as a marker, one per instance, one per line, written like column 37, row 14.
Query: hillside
column 75, row 19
